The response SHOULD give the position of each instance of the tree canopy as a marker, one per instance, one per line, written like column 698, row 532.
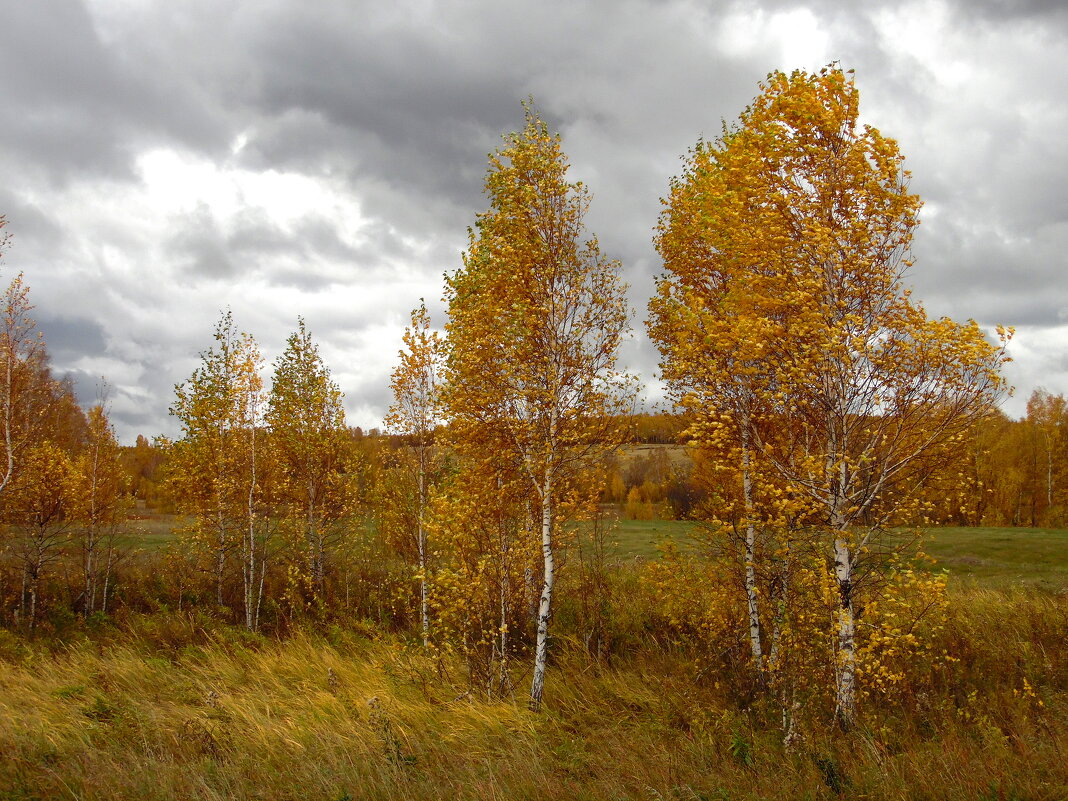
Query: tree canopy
column 783, row 321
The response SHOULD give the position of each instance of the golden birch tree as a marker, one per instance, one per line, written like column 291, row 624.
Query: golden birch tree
column 22, row 377
column 216, row 465
column 536, row 315
column 100, row 491
column 307, row 423
column 1046, row 416
column 415, row 414
column 783, row 316
column 480, row 593
column 37, row 507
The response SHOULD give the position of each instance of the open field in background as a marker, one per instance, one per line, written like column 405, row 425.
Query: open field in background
column 1002, row 557
column 987, row 557
column 642, row 538
column 150, row 530
column 677, row 454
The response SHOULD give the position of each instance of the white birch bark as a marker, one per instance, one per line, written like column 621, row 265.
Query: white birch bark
column 541, row 650
column 424, row 611
column 846, row 696
column 846, row 700
column 750, row 559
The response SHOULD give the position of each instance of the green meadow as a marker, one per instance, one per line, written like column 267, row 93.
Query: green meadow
column 989, row 557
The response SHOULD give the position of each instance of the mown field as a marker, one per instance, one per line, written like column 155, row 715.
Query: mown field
column 184, row 706
column 985, row 557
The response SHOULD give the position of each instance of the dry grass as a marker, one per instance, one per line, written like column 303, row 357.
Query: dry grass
column 175, row 707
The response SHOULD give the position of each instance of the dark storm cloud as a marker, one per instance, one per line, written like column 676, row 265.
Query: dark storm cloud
column 395, row 106
column 72, row 340
column 68, row 337
column 84, row 106
column 34, row 226
column 1015, row 10
column 60, row 78
column 388, row 104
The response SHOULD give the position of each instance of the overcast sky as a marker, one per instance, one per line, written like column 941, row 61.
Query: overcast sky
column 160, row 161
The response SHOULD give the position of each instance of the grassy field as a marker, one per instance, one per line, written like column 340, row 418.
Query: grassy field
column 182, row 707
column 1003, row 557
column 988, row 557
column 150, row 530
column 176, row 706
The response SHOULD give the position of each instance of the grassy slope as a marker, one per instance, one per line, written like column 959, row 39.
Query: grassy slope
column 1003, row 557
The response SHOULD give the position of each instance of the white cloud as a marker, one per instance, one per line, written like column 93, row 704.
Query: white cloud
column 797, row 36
column 1040, row 359
column 166, row 160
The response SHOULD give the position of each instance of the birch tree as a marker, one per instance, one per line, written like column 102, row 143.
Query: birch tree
column 23, row 376
column 101, row 506
column 479, row 529
column 415, row 414
column 1046, row 415
column 536, row 315
column 38, row 508
column 307, row 423
column 217, row 463
column 783, row 314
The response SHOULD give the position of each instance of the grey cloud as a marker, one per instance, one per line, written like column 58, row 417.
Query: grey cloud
column 254, row 235
column 30, row 225
column 401, row 103
column 61, row 79
column 979, row 10
column 967, row 273
column 88, row 388
column 304, row 257
column 1000, row 10
column 84, row 105
column 68, row 338
column 414, row 104
column 199, row 246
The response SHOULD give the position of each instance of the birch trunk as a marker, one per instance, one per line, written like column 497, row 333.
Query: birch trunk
column 89, row 605
column 250, row 562
column 541, row 651
column 91, row 537
column 750, row 560
column 424, row 613
column 220, row 556
column 107, row 577
column 9, row 344
column 316, row 545
column 779, row 596
column 846, row 696
column 505, row 680
column 1049, row 474
column 846, row 701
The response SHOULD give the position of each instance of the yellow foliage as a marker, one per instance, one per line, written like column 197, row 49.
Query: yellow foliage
column 785, row 328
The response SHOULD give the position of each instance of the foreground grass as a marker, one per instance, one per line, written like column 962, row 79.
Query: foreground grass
column 179, row 707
